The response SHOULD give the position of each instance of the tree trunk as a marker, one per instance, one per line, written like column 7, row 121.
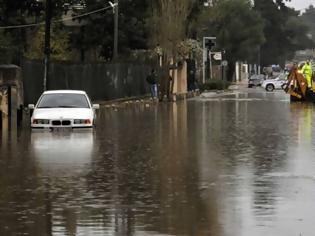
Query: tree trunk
column 231, row 71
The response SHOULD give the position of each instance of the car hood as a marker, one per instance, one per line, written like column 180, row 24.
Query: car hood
column 62, row 113
column 271, row 81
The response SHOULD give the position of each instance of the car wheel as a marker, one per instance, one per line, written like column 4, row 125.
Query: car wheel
column 294, row 99
column 270, row 87
column 250, row 86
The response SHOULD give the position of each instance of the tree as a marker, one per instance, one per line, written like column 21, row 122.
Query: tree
column 59, row 44
column 238, row 28
column 7, row 47
column 308, row 18
column 284, row 31
column 20, row 12
column 169, row 23
column 96, row 32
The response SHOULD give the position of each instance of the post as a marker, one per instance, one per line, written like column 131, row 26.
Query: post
column 222, row 66
column 211, row 73
column 47, row 44
column 203, row 60
column 13, row 106
column 222, row 78
column 258, row 61
column 115, row 54
column 206, row 54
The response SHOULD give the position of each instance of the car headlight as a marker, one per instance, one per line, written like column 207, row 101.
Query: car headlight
column 40, row 121
column 82, row 121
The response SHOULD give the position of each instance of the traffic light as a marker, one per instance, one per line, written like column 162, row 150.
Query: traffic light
column 210, row 43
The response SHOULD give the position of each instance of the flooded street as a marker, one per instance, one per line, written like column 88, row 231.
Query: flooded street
column 241, row 164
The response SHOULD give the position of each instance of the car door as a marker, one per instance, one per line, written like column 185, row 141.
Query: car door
column 279, row 83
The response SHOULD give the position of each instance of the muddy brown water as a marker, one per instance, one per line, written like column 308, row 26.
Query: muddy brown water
column 242, row 164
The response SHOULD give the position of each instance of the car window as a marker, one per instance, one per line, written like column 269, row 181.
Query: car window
column 63, row 100
column 282, row 77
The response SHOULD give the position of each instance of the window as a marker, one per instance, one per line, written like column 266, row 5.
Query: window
column 63, row 100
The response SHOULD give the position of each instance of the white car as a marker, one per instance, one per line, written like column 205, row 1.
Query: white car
column 63, row 108
column 277, row 83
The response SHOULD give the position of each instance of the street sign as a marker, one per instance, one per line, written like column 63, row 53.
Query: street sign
column 217, row 56
column 224, row 63
column 207, row 44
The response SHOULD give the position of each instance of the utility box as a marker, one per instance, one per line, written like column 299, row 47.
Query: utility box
column 11, row 96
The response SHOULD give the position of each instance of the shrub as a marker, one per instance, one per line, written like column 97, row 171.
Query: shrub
column 214, row 84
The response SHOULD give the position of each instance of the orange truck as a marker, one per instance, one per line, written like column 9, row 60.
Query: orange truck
column 297, row 87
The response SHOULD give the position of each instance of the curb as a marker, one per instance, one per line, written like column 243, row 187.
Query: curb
column 147, row 98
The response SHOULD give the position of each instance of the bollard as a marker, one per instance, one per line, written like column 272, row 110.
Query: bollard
column 12, row 107
column 11, row 96
column 4, row 107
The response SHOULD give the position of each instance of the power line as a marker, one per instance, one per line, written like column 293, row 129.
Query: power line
column 21, row 26
column 55, row 21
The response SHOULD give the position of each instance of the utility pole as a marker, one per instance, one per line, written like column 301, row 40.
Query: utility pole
column 116, row 13
column 47, row 43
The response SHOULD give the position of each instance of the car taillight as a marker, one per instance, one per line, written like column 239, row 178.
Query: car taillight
column 88, row 121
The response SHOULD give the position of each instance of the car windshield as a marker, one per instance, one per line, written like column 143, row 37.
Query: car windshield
column 282, row 77
column 63, row 100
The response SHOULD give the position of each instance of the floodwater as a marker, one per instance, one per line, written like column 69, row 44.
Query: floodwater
column 242, row 164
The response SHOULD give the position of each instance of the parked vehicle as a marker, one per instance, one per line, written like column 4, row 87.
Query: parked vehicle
column 271, row 84
column 63, row 109
column 255, row 80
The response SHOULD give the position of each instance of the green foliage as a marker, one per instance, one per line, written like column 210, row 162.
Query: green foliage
column 19, row 12
column 297, row 30
column 97, row 30
column 308, row 18
column 284, row 31
column 238, row 28
column 241, row 28
column 7, row 48
column 59, row 44
column 214, row 84
column 189, row 47
column 169, row 24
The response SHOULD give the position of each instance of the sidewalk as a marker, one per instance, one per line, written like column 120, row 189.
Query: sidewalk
column 239, row 84
column 234, row 88
column 146, row 99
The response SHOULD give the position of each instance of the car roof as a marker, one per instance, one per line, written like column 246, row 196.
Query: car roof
column 64, row 91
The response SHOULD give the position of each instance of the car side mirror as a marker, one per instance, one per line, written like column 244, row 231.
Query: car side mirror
column 31, row 106
column 96, row 106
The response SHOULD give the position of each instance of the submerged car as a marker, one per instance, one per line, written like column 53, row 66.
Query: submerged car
column 271, row 84
column 63, row 109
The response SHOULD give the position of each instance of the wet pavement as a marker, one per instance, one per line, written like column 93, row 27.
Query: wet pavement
column 238, row 164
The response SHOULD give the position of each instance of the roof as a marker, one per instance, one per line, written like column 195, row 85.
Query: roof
column 64, row 91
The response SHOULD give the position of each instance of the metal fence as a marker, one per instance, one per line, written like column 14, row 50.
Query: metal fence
column 101, row 81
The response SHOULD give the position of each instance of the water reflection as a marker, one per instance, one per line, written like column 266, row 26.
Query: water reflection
column 155, row 177
column 62, row 151
column 237, row 166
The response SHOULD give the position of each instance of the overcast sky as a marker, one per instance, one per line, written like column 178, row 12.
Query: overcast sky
column 300, row 4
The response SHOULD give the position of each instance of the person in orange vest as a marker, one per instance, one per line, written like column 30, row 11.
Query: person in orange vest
column 308, row 72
